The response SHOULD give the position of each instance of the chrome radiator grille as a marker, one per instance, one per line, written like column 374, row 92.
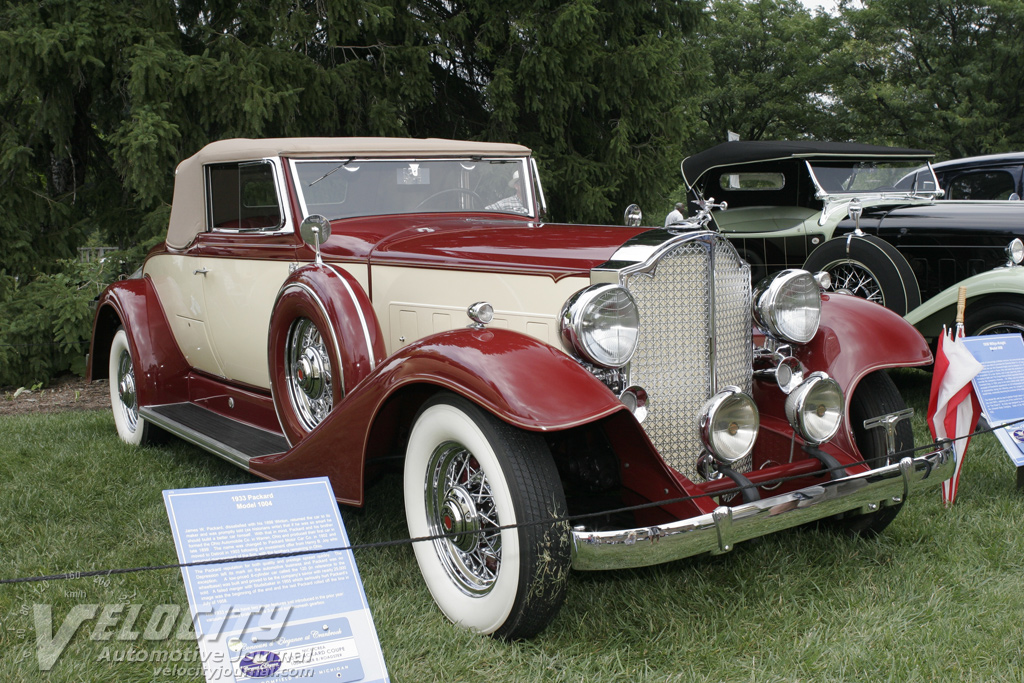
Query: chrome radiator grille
column 694, row 307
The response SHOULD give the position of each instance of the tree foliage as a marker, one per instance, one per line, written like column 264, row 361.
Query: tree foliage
column 100, row 99
column 945, row 75
column 765, row 71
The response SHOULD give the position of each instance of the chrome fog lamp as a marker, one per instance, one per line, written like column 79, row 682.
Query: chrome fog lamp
column 824, row 280
column 815, row 408
column 728, row 425
column 601, row 323
column 1015, row 252
column 481, row 313
column 635, row 398
column 787, row 305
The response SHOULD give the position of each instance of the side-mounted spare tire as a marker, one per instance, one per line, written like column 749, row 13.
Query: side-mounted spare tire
column 323, row 341
column 868, row 267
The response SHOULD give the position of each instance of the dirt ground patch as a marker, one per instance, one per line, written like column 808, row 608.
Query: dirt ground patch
column 64, row 393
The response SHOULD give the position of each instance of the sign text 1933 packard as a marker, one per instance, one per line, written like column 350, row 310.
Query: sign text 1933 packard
column 321, row 304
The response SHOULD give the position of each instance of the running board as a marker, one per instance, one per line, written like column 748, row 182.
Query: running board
column 235, row 442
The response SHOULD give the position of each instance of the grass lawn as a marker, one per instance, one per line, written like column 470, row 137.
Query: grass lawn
column 937, row 597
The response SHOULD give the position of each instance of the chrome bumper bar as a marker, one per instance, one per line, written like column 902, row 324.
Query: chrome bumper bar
column 718, row 531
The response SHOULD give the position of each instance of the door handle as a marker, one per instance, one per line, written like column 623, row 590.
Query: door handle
column 200, row 271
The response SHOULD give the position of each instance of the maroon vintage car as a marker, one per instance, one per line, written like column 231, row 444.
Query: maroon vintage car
column 322, row 304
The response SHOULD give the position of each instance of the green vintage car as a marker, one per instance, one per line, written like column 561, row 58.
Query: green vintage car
column 868, row 216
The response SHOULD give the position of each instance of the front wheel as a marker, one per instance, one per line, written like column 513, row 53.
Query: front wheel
column 124, row 401
column 876, row 395
column 998, row 317
column 468, row 474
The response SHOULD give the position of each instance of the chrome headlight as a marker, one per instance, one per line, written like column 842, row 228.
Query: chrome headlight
column 787, row 305
column 815, row 408
column 1015, row 251
column 601, row 323
column 728, row 425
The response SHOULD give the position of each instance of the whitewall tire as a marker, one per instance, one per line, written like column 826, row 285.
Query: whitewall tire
column 124, row 403
column 467, row 472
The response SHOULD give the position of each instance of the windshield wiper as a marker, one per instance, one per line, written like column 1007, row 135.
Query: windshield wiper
column 341, row 165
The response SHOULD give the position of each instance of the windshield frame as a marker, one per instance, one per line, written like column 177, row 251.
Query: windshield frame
column 523, row 167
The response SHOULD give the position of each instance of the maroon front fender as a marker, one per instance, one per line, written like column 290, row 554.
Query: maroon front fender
column 857, row 337
column 521, row 380
column 160, row 367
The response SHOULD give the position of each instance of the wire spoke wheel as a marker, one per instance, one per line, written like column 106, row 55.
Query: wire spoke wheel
column 853, row 278
column 308, row 373
column 467, row 473
column 459, row 500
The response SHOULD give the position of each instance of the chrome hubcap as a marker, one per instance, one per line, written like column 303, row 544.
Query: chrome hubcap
column 855, row 279
column 308, row 369
column 459, row 501
column 126, row 390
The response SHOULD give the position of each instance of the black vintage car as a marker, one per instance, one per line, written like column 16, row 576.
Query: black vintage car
column 991, row 176
column 868, row 216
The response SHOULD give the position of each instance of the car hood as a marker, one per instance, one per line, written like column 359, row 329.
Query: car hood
column 478, row 243
column 962, row 217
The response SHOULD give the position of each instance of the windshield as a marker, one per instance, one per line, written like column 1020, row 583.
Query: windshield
column 860, row 177
column 345, row 188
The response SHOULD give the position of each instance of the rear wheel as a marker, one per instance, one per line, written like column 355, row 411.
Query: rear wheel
column 876, row 395
column 124, row 401
column 467, row 473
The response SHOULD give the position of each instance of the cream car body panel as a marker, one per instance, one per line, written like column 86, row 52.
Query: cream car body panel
column 240, row 295
column 180, row 288
column 405, row 301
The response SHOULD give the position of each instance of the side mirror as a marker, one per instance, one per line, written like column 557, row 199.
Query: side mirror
column 314, row 231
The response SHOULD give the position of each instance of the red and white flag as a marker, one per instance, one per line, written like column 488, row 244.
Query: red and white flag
column 953, row 408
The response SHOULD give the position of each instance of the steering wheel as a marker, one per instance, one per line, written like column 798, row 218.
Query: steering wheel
column 460, row 190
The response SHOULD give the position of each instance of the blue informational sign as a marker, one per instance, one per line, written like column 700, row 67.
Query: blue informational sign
column 999, row 387
column 295, row 616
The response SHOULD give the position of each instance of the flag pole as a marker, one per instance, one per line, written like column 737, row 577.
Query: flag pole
column 961, row 304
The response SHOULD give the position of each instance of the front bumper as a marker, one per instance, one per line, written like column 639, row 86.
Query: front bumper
column 718, row 531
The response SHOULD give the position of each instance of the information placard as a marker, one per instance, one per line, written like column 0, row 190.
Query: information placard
column 1000, row 387
column 297, row 616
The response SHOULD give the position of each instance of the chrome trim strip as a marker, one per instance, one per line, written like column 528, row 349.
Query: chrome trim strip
column 719, row 531
column 362, row 319
column 195, row 438
column 642, row 253
column 712, row 341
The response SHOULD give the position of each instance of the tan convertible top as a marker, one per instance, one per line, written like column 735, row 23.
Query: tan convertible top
column 188, row 212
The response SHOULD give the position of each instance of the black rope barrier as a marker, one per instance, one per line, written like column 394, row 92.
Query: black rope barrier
column 455, row 534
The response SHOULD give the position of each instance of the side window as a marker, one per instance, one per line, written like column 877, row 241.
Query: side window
column 242, row 196
column 752, row 181
column 981, row 185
